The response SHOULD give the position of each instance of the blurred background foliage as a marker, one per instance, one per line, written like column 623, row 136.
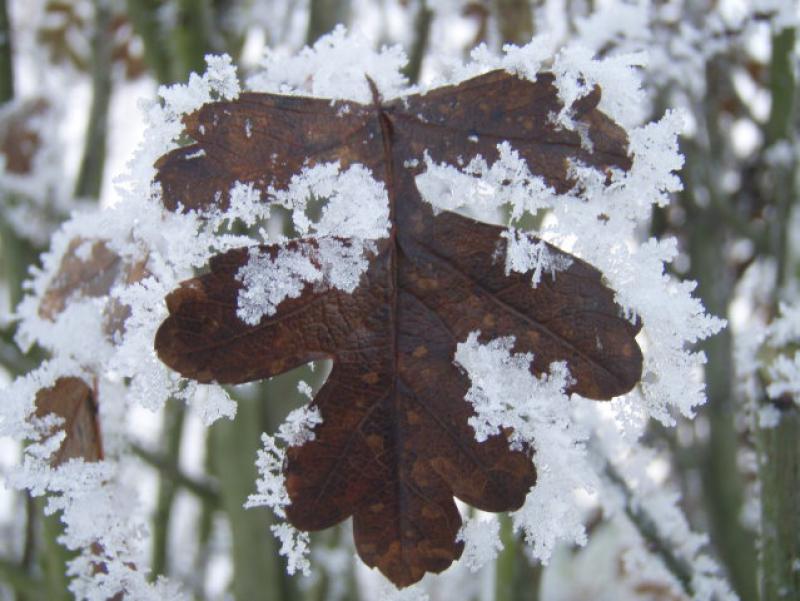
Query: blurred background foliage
column 735, row 221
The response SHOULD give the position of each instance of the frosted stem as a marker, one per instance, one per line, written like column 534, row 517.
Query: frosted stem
column 779, row 447
column 648, row 529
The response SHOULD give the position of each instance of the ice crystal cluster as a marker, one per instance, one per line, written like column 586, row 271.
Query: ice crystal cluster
column 597, row 220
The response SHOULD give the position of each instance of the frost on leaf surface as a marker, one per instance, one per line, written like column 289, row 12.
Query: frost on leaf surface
column 386, row 287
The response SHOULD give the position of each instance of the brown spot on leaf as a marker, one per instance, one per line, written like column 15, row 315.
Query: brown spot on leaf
column 370, row 378
column 420, row 352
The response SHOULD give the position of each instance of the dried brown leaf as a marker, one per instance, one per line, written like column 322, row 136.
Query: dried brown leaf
column 73, row 400
column 20, row 139
column 92, row 274
column 395, row 445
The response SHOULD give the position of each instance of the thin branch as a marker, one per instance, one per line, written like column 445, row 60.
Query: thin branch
column 174, row 414
column 203, row 489
column 648, row 529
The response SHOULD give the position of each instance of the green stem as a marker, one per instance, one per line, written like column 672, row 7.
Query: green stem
column 20, row 581
column 504, row 564
column 779, row 473
column 422, row 31
column 144, row 16
column 191, row 37
column 256, row 569
column 722, row 482
column 6, row 56
column 18, row 255
column 174, row 414
column 779, row 128
column 205, row 523
column 779, row 447
column 516, row 579
column 324, row 15
column 90, row 174
column 782, row 87
column 53, row 556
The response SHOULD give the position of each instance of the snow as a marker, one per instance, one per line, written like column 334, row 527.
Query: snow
column 506, row 395
column 481, row 537
column 336, row 67
column 523, row 254
column 271, row 486
column 355, row 214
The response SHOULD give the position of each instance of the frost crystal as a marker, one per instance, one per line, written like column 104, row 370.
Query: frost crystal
column 334, row 68
column 267, row 281
column 271, row 486
column 213, row 403
column 505, row 394
column 481, row 539
column 485, row 188
column 524, row 255
column 355, row 214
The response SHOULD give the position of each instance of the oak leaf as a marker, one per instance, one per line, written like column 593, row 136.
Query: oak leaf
column 394, row 446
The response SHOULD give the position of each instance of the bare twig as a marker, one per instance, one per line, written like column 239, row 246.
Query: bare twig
column 203, row 489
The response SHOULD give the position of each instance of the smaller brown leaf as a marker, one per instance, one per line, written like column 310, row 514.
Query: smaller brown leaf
column 19, row 138
column 74, row 401
column 92, row 275
column 65, row 29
